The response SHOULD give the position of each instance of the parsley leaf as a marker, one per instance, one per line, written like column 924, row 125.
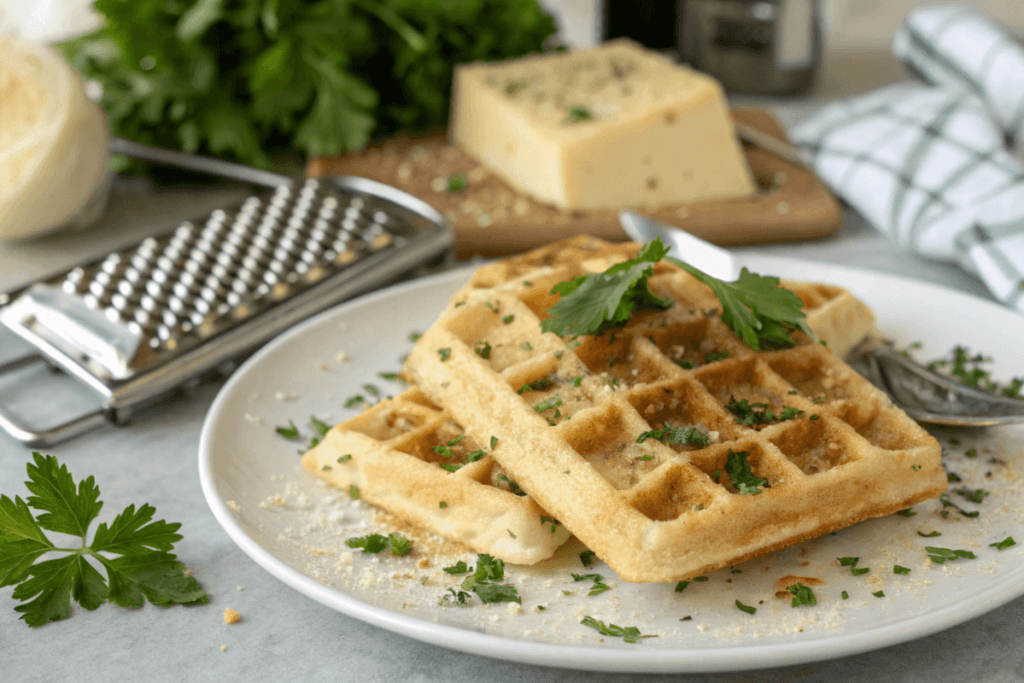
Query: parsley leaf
column 629, row 634
column 144, row 568
column 290, row 432
column 591, row 304
column 755, row 307
column 688, row 436
column 1003, row 544
column 738, row 468
column 482, row 581
column 941, row 555
column 802, row 595
column 599, row 584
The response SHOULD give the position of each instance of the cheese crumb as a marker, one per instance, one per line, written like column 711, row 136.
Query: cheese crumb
column 231, row 616
column 223, row 648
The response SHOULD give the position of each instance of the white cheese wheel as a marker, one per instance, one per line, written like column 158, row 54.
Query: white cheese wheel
column 53, row 143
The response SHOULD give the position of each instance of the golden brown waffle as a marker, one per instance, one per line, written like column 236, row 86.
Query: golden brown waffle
column 569, row 417
column 394, row 454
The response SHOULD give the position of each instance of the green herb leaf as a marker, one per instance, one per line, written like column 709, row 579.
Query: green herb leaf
column 897, row 569
column 746, row 608
column 591, row 304
column 1001, row 545
column 738, row 468
column 373, row 543
column 688, row 436
column 290, row 432
column 629, row 634
column 755, row 307
column 587, row 557
column 802, row 595
column 941, row 555
column 143, row 569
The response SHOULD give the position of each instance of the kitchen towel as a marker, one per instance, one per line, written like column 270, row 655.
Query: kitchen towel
column 930, row 163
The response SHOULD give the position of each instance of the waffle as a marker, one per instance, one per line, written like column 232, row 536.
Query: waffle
column 581, row 424
column 394, row 454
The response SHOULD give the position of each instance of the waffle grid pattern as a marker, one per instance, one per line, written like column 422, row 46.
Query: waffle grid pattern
column 569, row 416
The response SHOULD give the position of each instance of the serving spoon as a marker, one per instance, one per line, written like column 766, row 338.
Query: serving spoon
column 924, row 395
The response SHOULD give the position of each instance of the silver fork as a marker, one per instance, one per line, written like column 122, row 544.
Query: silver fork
column 923, row 394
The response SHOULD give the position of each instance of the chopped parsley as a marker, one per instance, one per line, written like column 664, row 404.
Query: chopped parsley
column 629, row 634
column 977, row 495
column 353, row 401
column 444, row 354
column 290, row 432
column 578, row 113
column 681, row 586
column 897, row 569
column 930, row 534
column 353, row 492
column 548, row 404
column 909, row 512
column 941, row 555
column 751, row 414
column 715, row 355
column 457, row 183
column 587, row 557
column 688, row 436
column 879, row 594
column 1003, row 544
column 746, row 608
column 374, row 543
column 482, row 580
column 599, row 584
column 845, row 595
column 512, row 486
column 802, row 595
column 414, row 336
column 344, row 458
column 742, row 477
column 508, row 319
column 851, row 562
column 483, row 349
column 537, row 385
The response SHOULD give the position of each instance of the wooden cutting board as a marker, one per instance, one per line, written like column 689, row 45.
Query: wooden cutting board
column 490, row 218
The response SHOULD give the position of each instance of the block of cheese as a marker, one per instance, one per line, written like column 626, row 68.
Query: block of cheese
column 53, row 143
column 611, row 126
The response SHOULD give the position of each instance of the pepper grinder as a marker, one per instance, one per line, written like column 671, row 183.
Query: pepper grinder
column 762, row 47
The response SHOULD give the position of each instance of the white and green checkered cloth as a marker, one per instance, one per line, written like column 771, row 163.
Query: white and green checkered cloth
column 931, row 163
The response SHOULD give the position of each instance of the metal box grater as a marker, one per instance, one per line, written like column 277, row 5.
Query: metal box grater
column 144, row 320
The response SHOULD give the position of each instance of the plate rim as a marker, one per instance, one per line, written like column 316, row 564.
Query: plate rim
column 593, row 657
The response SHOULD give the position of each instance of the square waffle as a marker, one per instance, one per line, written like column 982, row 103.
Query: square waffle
column 599, row 430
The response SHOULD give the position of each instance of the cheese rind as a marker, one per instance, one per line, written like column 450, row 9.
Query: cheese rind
column 611, row 126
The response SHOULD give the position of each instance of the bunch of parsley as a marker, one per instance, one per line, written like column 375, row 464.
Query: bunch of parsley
column 133, row 550
column 246, row 78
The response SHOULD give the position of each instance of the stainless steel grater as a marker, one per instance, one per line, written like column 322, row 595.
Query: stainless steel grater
column 144, row 320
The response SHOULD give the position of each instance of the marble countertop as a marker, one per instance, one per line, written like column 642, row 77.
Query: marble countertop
column 286, row 636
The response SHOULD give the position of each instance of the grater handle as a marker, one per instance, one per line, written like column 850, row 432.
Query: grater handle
column 39, row 438
column 192, row 162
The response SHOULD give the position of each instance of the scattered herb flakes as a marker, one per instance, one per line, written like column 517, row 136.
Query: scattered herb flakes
column 802, row 595
column 291, row 432
column 508, row 319
column 688, row 436
column 576, row 381
column 513, row 487
column 578, row 113
column 325, row 468
column 897, row 569
column 715, row 356
column 916, row 468
column 909, row 512
column 390, row 376
column 699, row 578
column 457, row 183
column 1003, row 544
column 482, row 581
column 483, row 349
column 537, row 385
column 548, row 404
column 494, row 442
column 444, row 354
column 746, row 608
column 526, row 346
column 681, row 586
column 442, row 505
column 373, row 543
column 587, row 557
column 851, row 562
column 879, row 594
column 757, row 414
column 344, row 458
column 941, row 555
column 629, row 634
column 953, row 478
column 845, row 595
column 459, row 567
column 353, row 401
column 353, row 492
column 930, row 534
column 144, row 568
column 975, row 495
column 599, row 585
column 415, row 336
column 742, row 477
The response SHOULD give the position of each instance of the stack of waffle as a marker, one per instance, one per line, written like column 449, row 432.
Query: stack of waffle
column 668, row 446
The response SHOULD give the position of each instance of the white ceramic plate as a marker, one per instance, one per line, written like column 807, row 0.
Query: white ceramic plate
column 295, row 527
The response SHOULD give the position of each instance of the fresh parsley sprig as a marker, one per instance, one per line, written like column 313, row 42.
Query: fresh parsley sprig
column 483, row 581
column 754, row 306
column 133, row 549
